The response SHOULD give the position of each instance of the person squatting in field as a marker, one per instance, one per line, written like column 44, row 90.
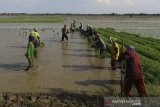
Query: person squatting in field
column 114, row 55
column 134, row 72
column 99, row 43
column 64, row 33
column 30, row 52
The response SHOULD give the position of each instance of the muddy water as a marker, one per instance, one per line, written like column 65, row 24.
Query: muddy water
column 64, row 67
column 144, row 26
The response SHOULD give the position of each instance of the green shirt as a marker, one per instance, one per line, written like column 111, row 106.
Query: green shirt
column 30, row 50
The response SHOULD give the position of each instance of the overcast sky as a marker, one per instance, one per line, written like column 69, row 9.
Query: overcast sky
column 80, row 6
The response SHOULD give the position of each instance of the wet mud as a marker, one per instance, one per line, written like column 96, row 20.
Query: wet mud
column 64, row 67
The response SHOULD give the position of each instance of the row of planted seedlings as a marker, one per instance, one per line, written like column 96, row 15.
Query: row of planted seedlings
column 91, row 41
column 141, row 49
column 150, row 42
column 151, row 53
column 149, row 57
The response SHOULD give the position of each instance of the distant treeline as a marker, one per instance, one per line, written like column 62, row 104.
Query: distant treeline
column 111, row 14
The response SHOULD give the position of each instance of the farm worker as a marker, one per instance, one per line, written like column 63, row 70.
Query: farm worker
column 64, row 33
column 30, row 52
column 114, row 55
column 82, row 30
column 89, row 34
column 81, row 26
column 134, row 72
column 74, row 24
column 99, row 43
column 72, row 28
column 85, row 32
column 36, row 36
column 89, row 31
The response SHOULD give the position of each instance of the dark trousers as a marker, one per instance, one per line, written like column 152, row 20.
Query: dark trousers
column 113, row 63
column 101, row 51
column 139, row 84
column 64, row 36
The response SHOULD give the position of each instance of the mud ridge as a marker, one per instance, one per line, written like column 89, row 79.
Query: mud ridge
column 50, row 100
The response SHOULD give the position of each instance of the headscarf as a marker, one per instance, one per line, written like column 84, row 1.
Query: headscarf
column 130, row 47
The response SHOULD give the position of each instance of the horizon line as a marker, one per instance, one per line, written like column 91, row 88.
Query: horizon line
column 113, row 13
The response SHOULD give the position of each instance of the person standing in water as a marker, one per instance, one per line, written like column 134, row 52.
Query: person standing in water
column 37, row 41
column 99, row 43
column 114, row 55
column 71, row 28
column 64, row 33
column 134, row 72
column 81, row 26
column 36, row 36
column 30, row 52
column 74, row 24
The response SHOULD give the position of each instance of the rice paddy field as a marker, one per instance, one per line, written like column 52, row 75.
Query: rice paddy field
column 147, row 48
column 31, row 19
column 74, row 67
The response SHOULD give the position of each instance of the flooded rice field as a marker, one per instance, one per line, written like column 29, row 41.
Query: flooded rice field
column 64, row 67
column 144, row 26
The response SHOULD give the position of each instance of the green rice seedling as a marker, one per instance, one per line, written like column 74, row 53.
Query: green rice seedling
column 150, row 56
column 153, row 90
column 151, row 53
column 104, row 55
column 42, row 44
